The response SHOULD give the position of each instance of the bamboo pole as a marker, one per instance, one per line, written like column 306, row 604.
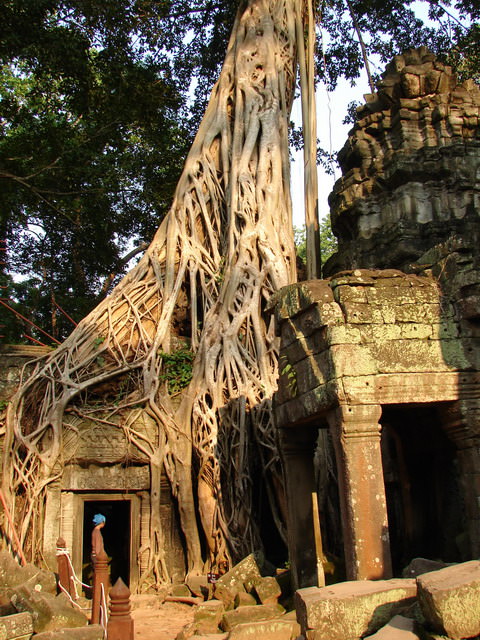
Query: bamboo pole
column 318, row 540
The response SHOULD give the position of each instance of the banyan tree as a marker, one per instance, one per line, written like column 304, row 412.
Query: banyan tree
column 198, row 296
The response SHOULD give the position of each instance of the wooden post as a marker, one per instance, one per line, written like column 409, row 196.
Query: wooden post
column 65, row 575
column 120, row 623
column 100, row 587
column 318, row 540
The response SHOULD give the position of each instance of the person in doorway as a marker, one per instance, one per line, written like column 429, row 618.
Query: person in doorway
column 97, row 538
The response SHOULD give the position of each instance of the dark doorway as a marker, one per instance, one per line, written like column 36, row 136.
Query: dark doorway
column 424, row 501
column 116, row 537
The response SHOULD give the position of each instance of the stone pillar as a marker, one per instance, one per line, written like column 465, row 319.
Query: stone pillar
column 356, row 436
column 100, row 588
column 120, row 623
column 461, row 422
column 297, row 448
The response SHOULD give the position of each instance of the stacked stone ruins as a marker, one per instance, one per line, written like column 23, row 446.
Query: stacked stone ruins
column 104, row 472
column 380, row 361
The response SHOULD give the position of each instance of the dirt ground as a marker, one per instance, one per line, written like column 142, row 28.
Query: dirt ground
column 163, row 622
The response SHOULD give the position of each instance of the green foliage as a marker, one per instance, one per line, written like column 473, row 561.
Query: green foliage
column 287, row 369
column 328, row 242
column 389, row 27
column 93, row 136
column 96, row 115
column 177, row 369
column 98, row 341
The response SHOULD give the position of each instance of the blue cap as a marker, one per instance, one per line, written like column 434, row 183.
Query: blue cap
column 98, row 518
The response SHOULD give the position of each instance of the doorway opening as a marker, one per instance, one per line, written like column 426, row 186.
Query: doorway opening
column 424, row 500
column 116, row 537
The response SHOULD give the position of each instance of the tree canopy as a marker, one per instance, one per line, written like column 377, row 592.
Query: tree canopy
column 99, row 103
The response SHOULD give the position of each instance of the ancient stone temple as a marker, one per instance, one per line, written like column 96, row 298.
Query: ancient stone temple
column 380, row 361
column 103, row 473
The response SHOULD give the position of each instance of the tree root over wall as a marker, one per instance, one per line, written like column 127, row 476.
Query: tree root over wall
column 224, row 248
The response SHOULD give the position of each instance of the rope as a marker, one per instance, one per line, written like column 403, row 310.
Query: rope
column 61, row 551
column 103, row 611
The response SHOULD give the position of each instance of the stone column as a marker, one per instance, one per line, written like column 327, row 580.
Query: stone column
column 297, row 448
column 461, row 422
column 356, row 436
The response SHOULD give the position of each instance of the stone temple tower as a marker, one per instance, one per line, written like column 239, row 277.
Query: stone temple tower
column 383, row 354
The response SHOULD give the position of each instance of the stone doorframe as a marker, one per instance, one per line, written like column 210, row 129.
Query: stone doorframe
column 356, row 435
column 79, row 500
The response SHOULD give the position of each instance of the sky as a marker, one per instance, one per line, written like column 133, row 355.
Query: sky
column 332, row 133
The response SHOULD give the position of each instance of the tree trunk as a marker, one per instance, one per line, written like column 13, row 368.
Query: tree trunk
column 226, row 246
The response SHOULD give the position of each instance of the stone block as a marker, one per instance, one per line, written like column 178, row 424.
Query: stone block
column 311, row 319
column 19, row 625
column 343, row 334
column 9, row 571
column 180, row 590
column 399, row 628
column 352, row 360
column 350, row 610
column 207, row 616
column 414, row 330
column 228, row 593
column 244, row 599
column 450, row 599
column 383, row 332
column 198, row 585
column 345, row 293
column 232, row 582
column 231, row 619
column 187, row 632
column 403, row 356
column 209, row 636
column 421, row 565
column 92, row 632
column 307, row 374
column 6, row 607
column 13, row 575
column 363, row 313
column 266, row 630
column 49, row 612
column 330, row 315
column 42, row 581
column 268, row 590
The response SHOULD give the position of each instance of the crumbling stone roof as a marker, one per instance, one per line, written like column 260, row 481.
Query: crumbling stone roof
column 411, row 165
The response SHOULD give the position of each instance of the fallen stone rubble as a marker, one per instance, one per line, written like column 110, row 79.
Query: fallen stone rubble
column 442, row 603
column 31, row 608
column 245, row 605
